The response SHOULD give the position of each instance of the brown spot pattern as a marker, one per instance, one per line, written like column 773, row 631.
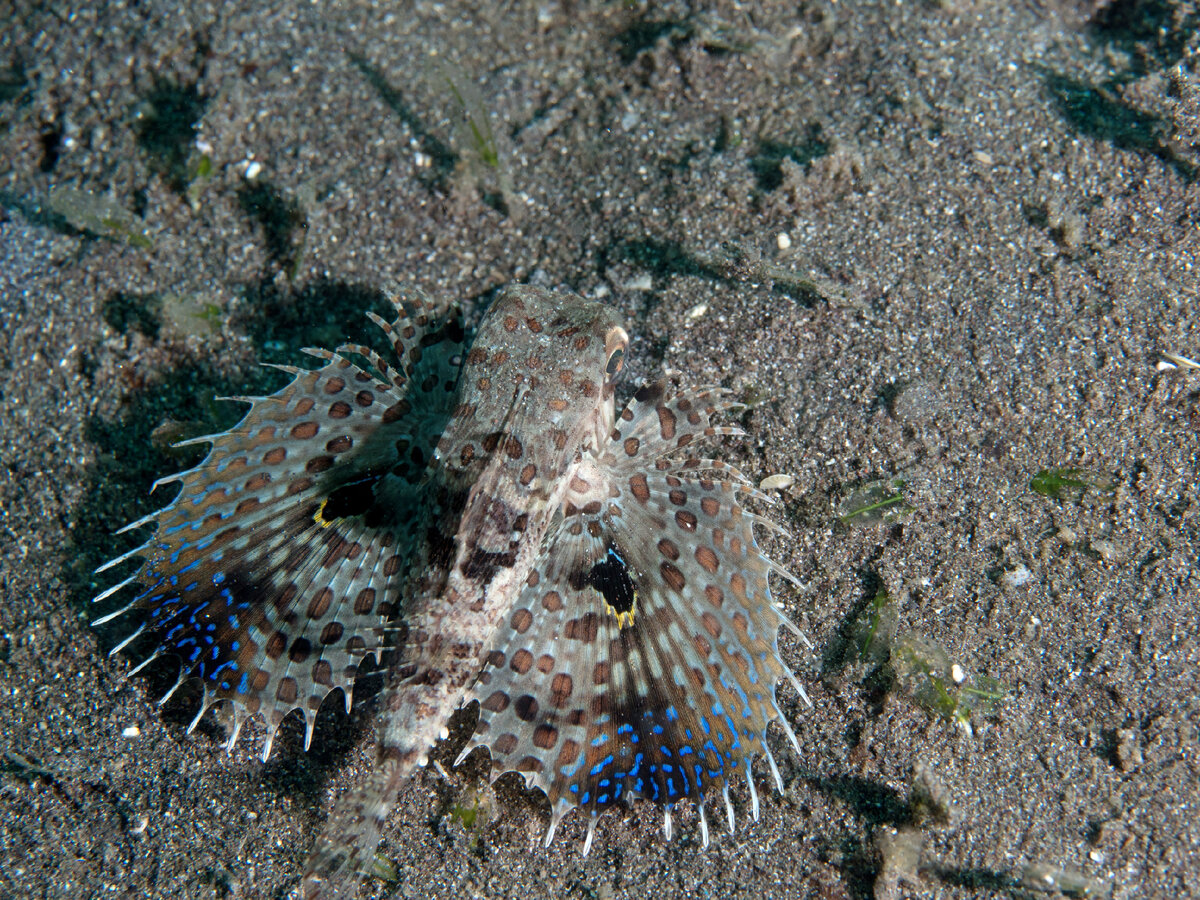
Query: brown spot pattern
column 497, row 702
column 560, row 689
column 526, row 707
column 275, row 645
column 737, row 584
column 641, row 490
column 521, row 620
column 505, row 744
column 672, row 576
column 365, row 601
column 318, row 464
column 288, row 690
column 320, row 603
column 666, row 422
column 569, row 753
column 707, row 558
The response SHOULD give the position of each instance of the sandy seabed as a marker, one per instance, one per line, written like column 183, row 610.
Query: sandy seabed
column 951, row 243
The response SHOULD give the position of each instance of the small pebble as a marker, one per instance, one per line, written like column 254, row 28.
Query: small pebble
column 697, row 311
column 783, row 240
column 131, row 732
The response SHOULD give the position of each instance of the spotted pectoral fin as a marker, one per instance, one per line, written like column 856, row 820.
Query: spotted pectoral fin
column 642, row 656
column 271, row 573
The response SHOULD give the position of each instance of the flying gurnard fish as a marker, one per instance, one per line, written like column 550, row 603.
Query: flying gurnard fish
column 585, row 577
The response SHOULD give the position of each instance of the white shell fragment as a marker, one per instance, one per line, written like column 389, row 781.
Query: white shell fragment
column 776, row 482
column 1178, row 360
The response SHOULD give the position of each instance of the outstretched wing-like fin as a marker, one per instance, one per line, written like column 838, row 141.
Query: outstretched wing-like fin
column 273, row 571
column 642, row 656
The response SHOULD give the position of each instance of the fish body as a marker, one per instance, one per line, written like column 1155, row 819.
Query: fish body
column 595, row 586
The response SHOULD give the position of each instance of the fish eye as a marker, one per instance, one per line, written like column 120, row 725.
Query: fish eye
column 616, row 344
column 616, row 362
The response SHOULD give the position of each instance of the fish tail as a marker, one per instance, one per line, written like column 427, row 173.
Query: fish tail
column 345, row 851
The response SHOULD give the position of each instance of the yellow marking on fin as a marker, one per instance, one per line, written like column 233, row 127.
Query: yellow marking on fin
column 624, row 619
column 320, row 519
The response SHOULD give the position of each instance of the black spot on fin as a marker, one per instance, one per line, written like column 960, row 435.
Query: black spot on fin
column 610, row 576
